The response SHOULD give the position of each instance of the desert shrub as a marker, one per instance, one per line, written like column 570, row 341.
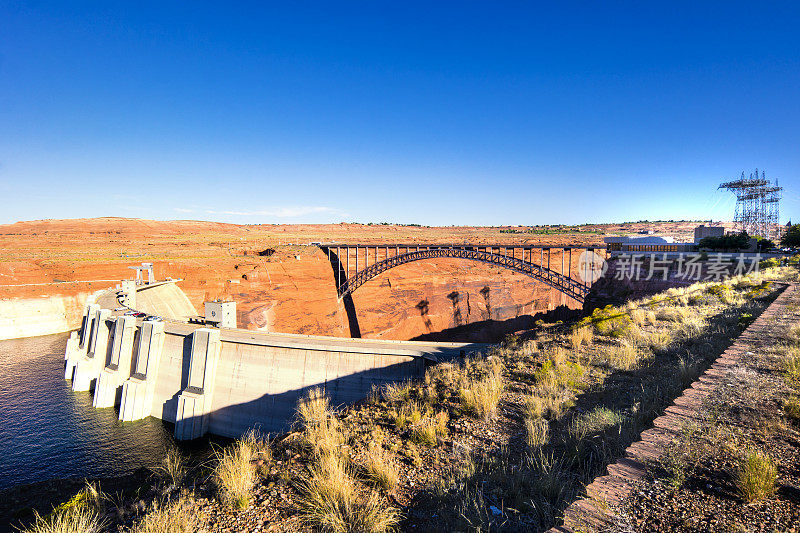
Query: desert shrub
column 234, row 473
column 580, row 336
column 595, row 421
column 176, row 517
column 480, row 397
column 172, row 467
column 610, row 322
column 328, row 500
column 380, row 468
column 536, row 432
column 552, row 375
column 757, row 477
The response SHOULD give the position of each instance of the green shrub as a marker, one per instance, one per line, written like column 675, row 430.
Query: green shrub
column 757, row 477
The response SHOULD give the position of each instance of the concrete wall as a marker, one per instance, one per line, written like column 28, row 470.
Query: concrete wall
column 31, row 317
column 228, row 381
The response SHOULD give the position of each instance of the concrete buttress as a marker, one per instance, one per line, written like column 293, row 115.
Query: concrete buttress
column 88, row 366
column 78, row 342
column 194, row 402
column 137, row 391
column 118, row 367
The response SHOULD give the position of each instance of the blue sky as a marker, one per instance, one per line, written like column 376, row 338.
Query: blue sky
column 437, row 113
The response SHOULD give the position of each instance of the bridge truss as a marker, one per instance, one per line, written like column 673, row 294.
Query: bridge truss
column 560, row 267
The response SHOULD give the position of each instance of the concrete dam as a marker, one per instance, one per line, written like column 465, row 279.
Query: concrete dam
column 161, row 362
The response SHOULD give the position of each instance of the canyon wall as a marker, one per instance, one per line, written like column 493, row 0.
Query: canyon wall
column 31, row 317
column 284, row 287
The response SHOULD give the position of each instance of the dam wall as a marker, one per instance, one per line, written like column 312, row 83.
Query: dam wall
column 32, row 317
column 225, row 381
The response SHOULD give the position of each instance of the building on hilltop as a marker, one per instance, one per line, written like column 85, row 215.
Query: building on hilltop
column 701, row 232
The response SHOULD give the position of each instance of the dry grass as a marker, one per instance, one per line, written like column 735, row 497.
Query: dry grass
column 380, row 468
column 396, row 392
column 536, row 432
column 672, row 314
column 623, row 356
column 639, row 317
column 791, row 408
column 329, row 500
column 322, row 431
column 176, row 517
column 172, row 467
column 595, row 421
column 234, row 473
column 74, row 520
column 791, row 370
column 580, row 336
column 79, row 514
column 480, row 398
column 757, row 477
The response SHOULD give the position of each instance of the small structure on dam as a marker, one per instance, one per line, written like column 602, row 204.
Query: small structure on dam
column 221, row 381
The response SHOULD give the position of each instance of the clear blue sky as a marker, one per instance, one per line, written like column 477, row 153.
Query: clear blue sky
column 434, row 112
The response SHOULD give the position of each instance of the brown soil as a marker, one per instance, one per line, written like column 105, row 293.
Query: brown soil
column 293, row 290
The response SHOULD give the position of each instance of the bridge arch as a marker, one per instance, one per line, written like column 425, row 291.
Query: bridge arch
column 562, row 280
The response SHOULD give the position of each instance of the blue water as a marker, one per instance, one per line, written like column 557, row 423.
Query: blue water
column 47, row 431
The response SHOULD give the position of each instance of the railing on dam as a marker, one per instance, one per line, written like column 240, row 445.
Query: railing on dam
column 226, row 381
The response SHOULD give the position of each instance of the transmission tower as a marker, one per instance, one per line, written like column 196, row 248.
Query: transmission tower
column 757, row 205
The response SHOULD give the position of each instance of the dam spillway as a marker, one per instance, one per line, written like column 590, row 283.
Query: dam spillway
column 222, row 381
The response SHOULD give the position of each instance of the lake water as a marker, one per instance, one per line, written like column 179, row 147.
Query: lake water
column 47, row 431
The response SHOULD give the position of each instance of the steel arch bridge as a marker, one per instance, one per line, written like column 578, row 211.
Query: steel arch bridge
column 559, row 267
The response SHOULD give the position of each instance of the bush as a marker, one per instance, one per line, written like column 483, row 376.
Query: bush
column 234, row 473
column 172, row 518
column 73, row 520
column 739, row 241
column 172, row 467
column 380, row 468
column 757, row 477
column 536, row 432
column 480, row 398
column 329, row 501
column 610, row 322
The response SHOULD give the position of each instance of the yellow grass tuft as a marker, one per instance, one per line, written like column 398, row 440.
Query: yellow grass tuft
column 580, row 336
column 757, row 477
column 177, row 517
column 73, row 520
column 329, row 500
column 536, row 432
column 480, row 398
column 234, row 473
column 380, row 468
column 172, row 467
